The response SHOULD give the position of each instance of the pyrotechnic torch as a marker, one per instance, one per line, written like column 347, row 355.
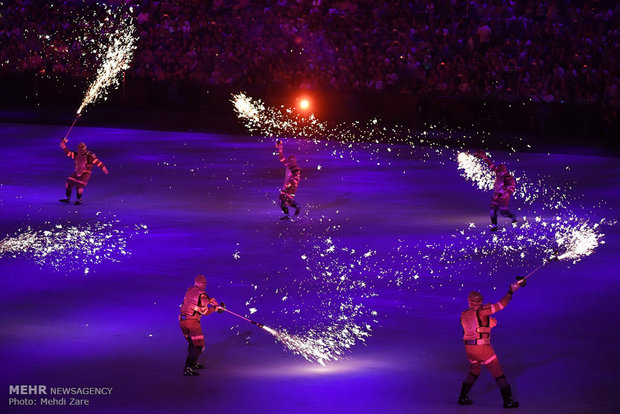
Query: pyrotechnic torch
column 116, row 56
column 577, row 241
column 70, row 128
column 222, row 308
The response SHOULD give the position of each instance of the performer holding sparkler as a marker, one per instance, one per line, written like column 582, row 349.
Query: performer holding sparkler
column 477, row 327
column 84, row 161
column 291, row 182
column 505, row 186
column 195, row 304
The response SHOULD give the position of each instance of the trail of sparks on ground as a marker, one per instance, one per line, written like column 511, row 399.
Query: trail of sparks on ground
column 334, row 282
column 347, row 279
column 66, row 247
column 322, row 345
column 120, row 45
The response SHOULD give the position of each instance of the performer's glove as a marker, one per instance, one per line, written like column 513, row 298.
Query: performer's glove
column 521, row 281
column 514, row 286
column 221, row 307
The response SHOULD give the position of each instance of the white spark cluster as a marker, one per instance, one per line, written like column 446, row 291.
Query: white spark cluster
column 328, row 344
column 285, row 122
column 67, row 247
column 120, row 45
column 578, row 241
column 475, row 170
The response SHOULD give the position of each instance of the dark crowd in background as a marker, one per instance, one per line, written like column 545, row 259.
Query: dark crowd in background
column 553, row 51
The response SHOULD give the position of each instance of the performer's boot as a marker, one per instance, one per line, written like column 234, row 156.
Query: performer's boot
column 68, row 194
column 494, row 223
column 297, row 209
column 285, row 211
column 79, row 193
column 197, row 365
column 507, row 396
column 189, row 367
column 189, row 372
column 463, row 397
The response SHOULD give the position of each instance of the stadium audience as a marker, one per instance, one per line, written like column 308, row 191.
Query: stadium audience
column 538, row 50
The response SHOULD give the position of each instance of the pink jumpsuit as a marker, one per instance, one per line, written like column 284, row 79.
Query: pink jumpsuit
column 477, row 338
column 83, row 170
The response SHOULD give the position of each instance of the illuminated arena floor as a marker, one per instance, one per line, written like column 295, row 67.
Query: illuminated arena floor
column 389, row 243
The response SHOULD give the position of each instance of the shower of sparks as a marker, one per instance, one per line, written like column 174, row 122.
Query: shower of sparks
column 350, row 140
column 481, row 176
column 286, row 122
column 336, row 277
column 322, row 345
column 121, row 43
column 475, row 170
column 578, row 241
column 67, row 247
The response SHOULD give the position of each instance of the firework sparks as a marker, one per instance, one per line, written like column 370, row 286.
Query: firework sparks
column 121, row 44
column 475, row 170
column 578, row 241
column 284, row 122
column 337, row 278
column 71, row 247
column 325, row 345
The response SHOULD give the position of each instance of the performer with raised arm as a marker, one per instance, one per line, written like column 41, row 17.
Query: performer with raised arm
column 505, row 185
column 84, row 161
column 477, row 325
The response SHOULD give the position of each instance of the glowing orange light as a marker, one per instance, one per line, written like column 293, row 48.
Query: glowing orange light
column 304, row 104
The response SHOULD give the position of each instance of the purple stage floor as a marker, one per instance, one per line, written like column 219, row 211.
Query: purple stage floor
column 389, row 243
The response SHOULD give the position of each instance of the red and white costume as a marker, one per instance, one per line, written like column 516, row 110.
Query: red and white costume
column 196, row 303
column 505, row 185
column 291, row 182
column 477, row 324
column 84, row 162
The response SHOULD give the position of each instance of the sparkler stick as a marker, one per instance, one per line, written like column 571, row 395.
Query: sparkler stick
column 260, row 325
column 579, row 241
column 72, row 125
column 551, row 259
column 534, row 271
